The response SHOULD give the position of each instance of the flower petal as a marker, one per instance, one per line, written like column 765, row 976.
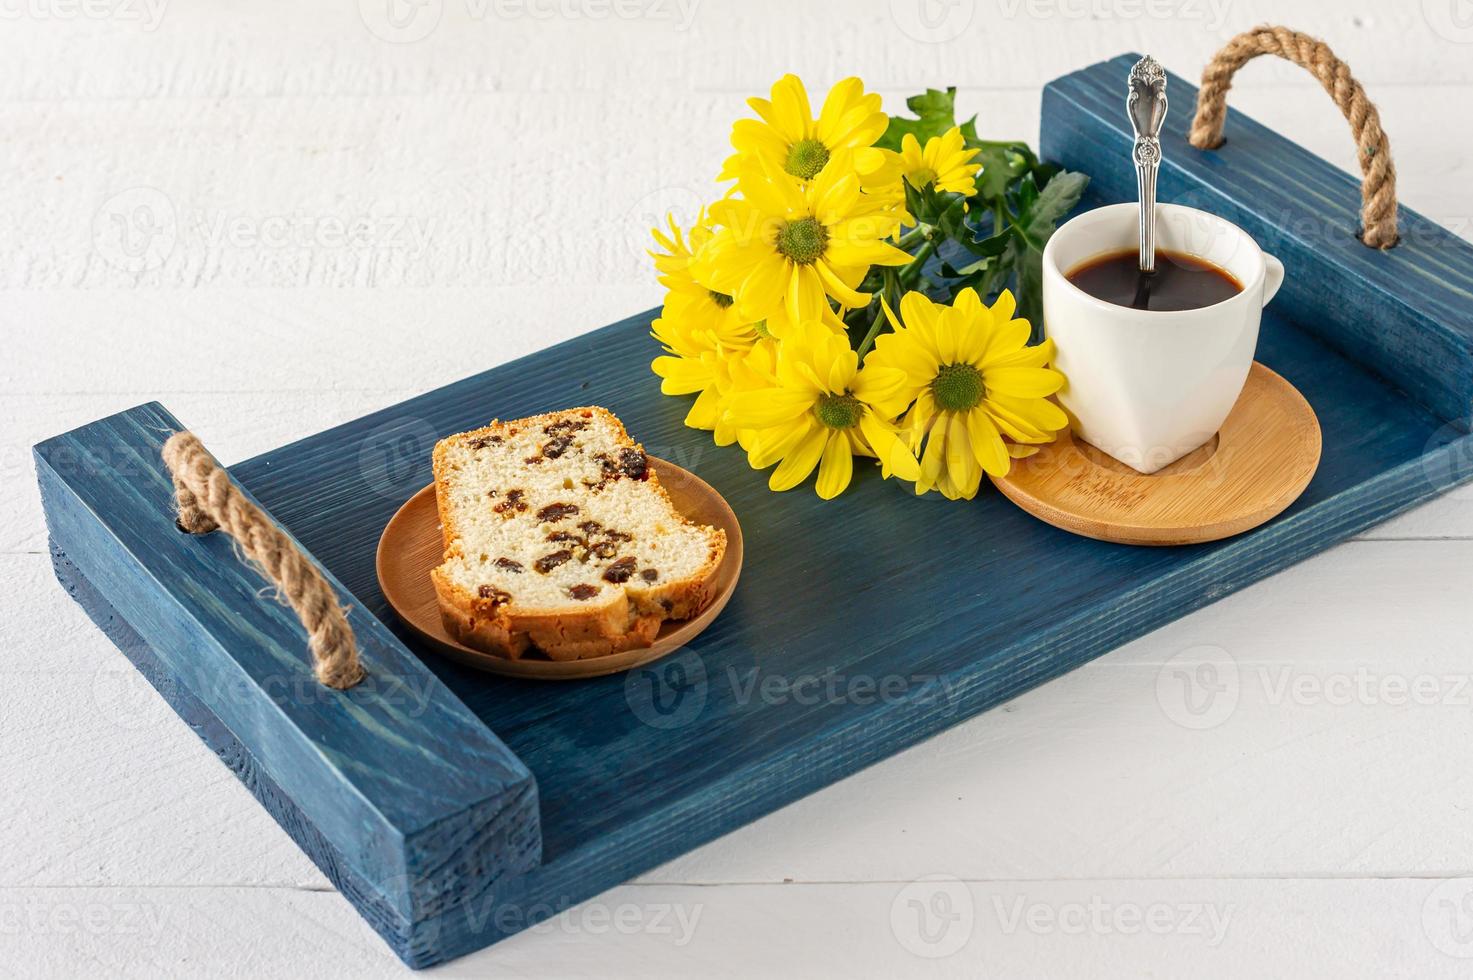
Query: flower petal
column 800, row 461
column 766, row 407
column 987, row 446
column 961, row 461
column 838, row 289
column 805, row 295
column 921, row 317
column 767, row 446
column 1023, row 382
column 681, row 376
column 1026, row 419
column 837, row 467
column 789, row 112
column 889, row 448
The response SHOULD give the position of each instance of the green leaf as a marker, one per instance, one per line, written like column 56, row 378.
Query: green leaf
column 1000, row 167
column 935, row 114
column 951, row 216
column 1041, row 214
column 918, row 203
column 1028, row 263
column 1038, row 216
column 993, row 245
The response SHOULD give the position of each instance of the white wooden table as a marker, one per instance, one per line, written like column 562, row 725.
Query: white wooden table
column 334, row 210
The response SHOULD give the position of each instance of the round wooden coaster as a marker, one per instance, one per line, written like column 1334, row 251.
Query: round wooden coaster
column 1259, row 462
column 411, row 545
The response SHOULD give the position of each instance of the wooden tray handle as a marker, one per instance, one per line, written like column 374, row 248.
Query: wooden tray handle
column 208, row 500
column 1378, row 172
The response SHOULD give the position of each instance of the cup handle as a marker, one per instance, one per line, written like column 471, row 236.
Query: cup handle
column 1273, row 277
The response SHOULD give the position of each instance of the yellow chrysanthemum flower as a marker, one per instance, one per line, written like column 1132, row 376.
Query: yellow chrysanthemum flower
column 791, row 140
column 696, row 362
column 974, row 381
column 688, row 302
column 945, row 162
column 784, row 247
column 820, row 410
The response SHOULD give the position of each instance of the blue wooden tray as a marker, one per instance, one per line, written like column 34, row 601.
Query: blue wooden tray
column 453, row 808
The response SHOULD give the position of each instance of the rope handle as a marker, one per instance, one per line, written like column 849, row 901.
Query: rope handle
column 1378, row 172
column 208, row 500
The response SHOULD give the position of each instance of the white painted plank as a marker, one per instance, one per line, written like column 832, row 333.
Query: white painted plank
column 1346, row 928
column 1325, row 809
column 335, row 196
column 451, row 47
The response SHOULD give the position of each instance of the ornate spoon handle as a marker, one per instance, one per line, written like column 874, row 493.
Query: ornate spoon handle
column 1147, row 107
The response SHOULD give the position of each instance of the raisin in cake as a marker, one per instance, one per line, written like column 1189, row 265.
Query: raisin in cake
column 559, row 537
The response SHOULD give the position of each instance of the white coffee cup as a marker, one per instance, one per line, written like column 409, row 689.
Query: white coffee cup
column 1150, row 386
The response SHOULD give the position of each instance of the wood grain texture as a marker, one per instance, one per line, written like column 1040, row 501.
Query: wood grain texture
column 392, row 787
column 854, row 599
column 282, row 108
column 1260, row 460
column 848, row 589
column 1406, row 313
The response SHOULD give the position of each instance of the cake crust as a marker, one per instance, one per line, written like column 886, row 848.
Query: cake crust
column 622, row 618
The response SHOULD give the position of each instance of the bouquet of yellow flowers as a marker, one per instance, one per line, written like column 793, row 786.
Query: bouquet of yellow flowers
column 802, row 307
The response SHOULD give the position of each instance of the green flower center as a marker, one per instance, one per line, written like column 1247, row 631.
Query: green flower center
column 806, row 158
column 761, row 328
column 839, row 411
column 920, row 178
column 803, row 240
column 720, row 299
column 957, row 387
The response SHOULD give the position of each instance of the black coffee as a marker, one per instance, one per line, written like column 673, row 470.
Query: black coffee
column 1180, row 282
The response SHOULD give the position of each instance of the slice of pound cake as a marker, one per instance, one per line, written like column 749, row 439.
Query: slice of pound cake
column 559, row 537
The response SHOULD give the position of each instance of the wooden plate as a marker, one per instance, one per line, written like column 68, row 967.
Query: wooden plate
column 411, row 545
column 1259, row 463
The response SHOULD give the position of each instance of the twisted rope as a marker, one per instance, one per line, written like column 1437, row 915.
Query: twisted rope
column 208, row 500
column 1378, row 173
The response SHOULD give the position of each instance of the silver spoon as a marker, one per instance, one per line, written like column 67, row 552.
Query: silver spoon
column 1147, row 107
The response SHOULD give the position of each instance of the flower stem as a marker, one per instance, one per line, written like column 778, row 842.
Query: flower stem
column 874, row 331
column 921, row 232
column 910, row 272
